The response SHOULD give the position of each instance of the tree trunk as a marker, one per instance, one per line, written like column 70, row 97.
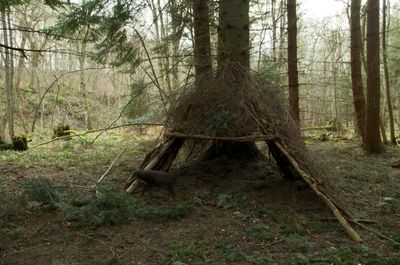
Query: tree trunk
column 363, row 39
column 167, row 62
column 373, row 143
column 293, row 77
column 202, row 43
column 234, row 36
column 82, row 86
column 8, row 76
column 158, row 40
column 383, row 132
column 385, row 28
column 282, row 24
column 234, row 46
column 356, row 76
column 274, row 29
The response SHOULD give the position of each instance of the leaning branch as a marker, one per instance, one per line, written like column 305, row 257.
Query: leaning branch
column 111, row 166
column 96, row 130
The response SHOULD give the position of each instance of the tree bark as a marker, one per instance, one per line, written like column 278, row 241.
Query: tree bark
column 234, row 46
column 293, row 77
column 82, row 85
column 202, row 43
column 8, row 76
column 274, row 29
column 364, row 38
column 282, row 24
column 373, row 143
column 234, row 34
column 385, row 28
column 356, row 76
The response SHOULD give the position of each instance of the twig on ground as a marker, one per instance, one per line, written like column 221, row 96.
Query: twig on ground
column 375, row 232
column 165, row 253
column 81, row 172
column 111, row 166
column 271, row 243
column 101, row 242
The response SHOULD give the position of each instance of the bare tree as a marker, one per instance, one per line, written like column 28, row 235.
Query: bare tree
column 356, row 76
column 373, row 142
column 294, row 109
column 385, row 28
column 8, row 73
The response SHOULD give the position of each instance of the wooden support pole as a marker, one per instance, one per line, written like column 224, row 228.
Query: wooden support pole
column 315, row 186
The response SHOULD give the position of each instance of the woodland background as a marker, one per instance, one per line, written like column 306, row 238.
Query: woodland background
column 71, row 68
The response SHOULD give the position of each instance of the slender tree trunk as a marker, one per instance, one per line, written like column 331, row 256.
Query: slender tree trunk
column 383, row 132
column 158, row 41
column 363, row 39
column 356, row 76
column 282, row 26
column 274, row 29
column 373, row 143
column 12, row 90
column 167, row 63
column 20, row 68
column 293, row 77
column 385, row 28
column 202, row 42
column 8, row 76
column 177, row 34
column 82, row 86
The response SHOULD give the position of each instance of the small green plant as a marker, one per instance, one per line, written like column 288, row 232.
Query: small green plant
column 298, row 243
column 260, row 260
column 274, row 215
column 109, row 208
column 342, row 256
column 173, row 213
column 297, row 259
column 42, row 191
column 232, row 199
column 113, row 261
column 188, row 254
column 230, row 253
column 105, row 206
column 396, row 245
column 17, row 232
column 259, row 232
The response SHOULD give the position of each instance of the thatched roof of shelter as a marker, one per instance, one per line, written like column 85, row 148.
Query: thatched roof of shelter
column 237, row 104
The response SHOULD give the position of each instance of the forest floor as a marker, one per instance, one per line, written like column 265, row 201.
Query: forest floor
column 223, row 213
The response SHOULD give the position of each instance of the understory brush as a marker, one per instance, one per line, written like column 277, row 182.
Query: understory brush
column 103, row 205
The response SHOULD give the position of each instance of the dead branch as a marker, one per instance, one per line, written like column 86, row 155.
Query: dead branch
column 317, row 189
column 156, row 83
column 111, row 166
column 250, row 138
column 375, row 232
column 97, row 130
